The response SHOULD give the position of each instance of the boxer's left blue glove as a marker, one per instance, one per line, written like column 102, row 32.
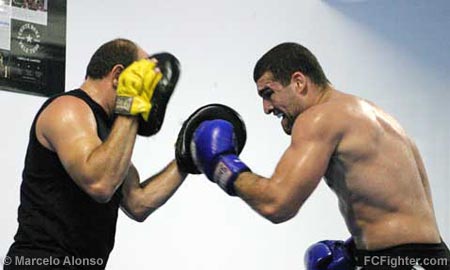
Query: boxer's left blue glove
column 214, row 151
column 329, row 255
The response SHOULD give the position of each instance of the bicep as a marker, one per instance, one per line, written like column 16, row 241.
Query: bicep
column 71, row 132
column 74, row 153
column 313, row 141
column 301, row 167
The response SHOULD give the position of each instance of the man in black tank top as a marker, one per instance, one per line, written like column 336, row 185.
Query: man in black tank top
column 78, row 169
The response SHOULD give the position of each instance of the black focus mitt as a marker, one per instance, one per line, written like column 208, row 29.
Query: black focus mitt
column 170, row 69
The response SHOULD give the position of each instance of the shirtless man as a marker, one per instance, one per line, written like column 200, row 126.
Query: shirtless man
column 364, row 155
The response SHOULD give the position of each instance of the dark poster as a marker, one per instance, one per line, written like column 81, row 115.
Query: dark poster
column 33, row 46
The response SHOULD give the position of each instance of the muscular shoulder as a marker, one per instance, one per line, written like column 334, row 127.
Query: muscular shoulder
column 323, row 121
column 65, row 105
column 64, row 114
column 330, row 120
column 66, row 109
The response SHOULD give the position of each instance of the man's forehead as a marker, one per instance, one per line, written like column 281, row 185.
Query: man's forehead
column 266, row 78
column 142, row 54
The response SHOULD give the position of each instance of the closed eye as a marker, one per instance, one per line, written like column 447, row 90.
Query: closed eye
column 266, row 93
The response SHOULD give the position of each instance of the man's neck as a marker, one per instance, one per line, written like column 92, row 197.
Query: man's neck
column 324, row 94
column 101, row 92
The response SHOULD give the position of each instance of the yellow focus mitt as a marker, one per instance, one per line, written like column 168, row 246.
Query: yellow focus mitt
column 135, row 89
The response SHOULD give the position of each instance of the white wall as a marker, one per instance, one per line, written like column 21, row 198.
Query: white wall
column 394, row 53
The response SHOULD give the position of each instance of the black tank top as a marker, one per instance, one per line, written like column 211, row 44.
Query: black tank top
column 56, row 217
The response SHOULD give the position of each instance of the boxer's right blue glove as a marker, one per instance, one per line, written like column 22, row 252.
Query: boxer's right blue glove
column 214, row 151
column 329, row 255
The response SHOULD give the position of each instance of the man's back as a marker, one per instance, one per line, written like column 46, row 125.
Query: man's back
column 379, row 178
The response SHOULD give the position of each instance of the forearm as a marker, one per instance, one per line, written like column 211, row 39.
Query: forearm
column 264, row 196
column 141, row 199
column 156, row 190
column 108, row 164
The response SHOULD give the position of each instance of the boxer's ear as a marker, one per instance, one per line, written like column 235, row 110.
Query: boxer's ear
column 298, row 79
column 115, row 71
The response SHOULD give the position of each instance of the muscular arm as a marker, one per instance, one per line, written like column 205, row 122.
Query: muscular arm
column 298, row 172
column 68, row 127
column 141, row 199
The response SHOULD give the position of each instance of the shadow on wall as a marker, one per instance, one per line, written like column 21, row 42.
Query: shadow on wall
column 420, row 27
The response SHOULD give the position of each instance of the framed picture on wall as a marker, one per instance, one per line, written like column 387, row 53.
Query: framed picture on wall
column 33, row 46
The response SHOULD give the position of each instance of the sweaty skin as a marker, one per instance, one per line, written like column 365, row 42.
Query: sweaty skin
column 363, row 154
column 68, row 127
column 379, row 178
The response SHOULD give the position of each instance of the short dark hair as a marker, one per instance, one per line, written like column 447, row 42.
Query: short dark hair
column 117, row 51
column 285, row 59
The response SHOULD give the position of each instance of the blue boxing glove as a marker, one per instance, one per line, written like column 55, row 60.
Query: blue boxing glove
column 329, row 255
column 214, row 151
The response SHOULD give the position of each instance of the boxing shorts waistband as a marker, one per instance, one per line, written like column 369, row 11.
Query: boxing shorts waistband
column 404, row 257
